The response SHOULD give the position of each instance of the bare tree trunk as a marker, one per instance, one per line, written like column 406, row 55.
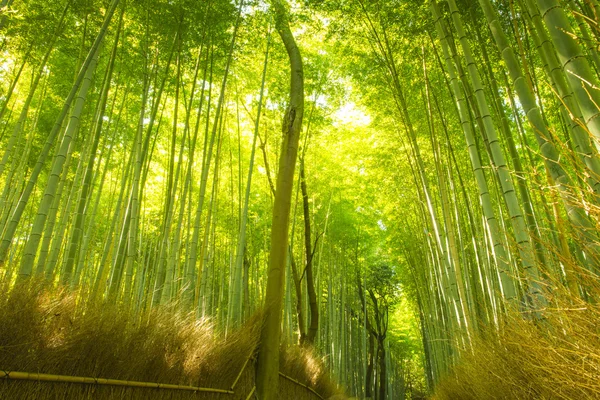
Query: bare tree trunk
column 267, row 377
column 310, row 282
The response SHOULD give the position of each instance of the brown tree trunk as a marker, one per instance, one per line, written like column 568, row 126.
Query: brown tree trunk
column 370, row 366
column 310, row 282
column 298, row 286
column 267, row 375
column 371, row 352
column 382, row 368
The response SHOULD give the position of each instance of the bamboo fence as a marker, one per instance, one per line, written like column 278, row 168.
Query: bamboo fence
column 40, row 377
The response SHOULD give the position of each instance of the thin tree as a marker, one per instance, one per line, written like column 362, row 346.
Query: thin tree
column 267, row 376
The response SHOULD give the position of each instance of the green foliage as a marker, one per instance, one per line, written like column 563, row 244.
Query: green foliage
column 394, row 202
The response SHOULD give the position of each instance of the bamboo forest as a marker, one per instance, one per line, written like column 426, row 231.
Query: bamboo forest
column 300, row 199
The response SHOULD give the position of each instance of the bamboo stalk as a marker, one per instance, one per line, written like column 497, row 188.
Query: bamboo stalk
column 241, row 372
column 301, row 384
column 29, row 376
column 251, row 393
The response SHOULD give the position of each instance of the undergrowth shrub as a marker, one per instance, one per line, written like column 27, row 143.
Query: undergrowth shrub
column 46, row 330
column 554, row 355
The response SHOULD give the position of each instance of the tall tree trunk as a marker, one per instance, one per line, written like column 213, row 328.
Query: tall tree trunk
column 371, row 339
column 267, row 377
column 313, row 326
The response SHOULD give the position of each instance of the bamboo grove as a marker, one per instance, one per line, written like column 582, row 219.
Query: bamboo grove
column 447, row 180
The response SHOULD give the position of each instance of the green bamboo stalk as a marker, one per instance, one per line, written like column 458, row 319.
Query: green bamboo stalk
column 508, row 286
column 236, row 314
column 54, row 178
column 87, row 178
column 508, row 191
column 571, row 110
column 574, row 64
column 575, row 213
column 193, row 250
column 50, row 141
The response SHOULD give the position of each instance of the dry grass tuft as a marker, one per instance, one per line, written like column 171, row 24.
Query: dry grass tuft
column 45, row 330
column 303, row 365
column 557, row 357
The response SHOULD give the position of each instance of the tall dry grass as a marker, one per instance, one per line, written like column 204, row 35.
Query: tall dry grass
column 555, row 355
column 45, row 330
